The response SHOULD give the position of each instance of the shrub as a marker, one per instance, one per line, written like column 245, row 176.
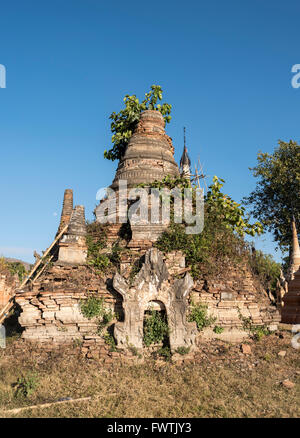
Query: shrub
column 164, row 352
column 257, row 332
column 198, row 314
column 155, row 328
column 92, row 307
column 218, row 329
column 110, row 340
column 221, row 240
column 26, row 385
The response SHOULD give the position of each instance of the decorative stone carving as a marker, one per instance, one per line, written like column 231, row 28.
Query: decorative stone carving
column 153, row 283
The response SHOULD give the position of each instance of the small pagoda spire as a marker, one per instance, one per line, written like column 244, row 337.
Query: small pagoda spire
column 185, row 162
column 66, row 210
column 295, row 257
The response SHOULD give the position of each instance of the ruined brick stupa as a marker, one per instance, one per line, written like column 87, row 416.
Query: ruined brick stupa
column 51, row 304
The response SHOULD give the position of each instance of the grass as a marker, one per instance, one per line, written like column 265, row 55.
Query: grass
column 221, row 383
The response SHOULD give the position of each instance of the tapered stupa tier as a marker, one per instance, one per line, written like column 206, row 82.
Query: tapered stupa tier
column 149, row 155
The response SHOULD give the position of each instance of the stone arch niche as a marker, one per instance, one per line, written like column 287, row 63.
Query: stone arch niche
column 153, row 283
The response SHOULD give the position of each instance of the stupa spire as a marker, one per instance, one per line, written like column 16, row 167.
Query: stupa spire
column 295, row 257
column 185, row 162
column 66, row 210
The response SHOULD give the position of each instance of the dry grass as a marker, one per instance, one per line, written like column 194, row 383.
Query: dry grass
column 222, row 383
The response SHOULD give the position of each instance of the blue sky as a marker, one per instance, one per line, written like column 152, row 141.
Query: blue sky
column 224, row 66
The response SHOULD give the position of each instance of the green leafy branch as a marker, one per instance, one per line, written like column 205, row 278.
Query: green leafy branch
column 124, row 122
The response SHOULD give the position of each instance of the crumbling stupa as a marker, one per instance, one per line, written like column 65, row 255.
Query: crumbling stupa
column 50, row 306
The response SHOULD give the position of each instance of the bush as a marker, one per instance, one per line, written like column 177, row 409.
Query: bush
column 110, row 340
column 12, row 268
column 221, row 240
column 165, row 352
column 92, row 307
column 26, row 385
column 218, row 329
column 96, row 241
column 257, row 332
column 198, row 314
column 155, row 328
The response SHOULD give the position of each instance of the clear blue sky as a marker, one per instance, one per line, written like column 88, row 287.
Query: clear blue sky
column 224, row 66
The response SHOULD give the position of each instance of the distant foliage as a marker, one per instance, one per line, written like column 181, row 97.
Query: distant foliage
column 12, row 268
column 276, row 199
column 265, row 267
column 124, row 122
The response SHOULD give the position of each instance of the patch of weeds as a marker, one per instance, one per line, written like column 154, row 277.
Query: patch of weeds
column 218, row 329
column 77, row 342
column 156, row 328
column 257, row 332
column 198, row 314
column 165, row 353
column 107, row 317
column 26, row 385
column 115, row 255
column 183, row 350
column 134, row 351
column 110, row 341
column 101, row 262
column 267, row 357
column 92, row 307
column 136, row 267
